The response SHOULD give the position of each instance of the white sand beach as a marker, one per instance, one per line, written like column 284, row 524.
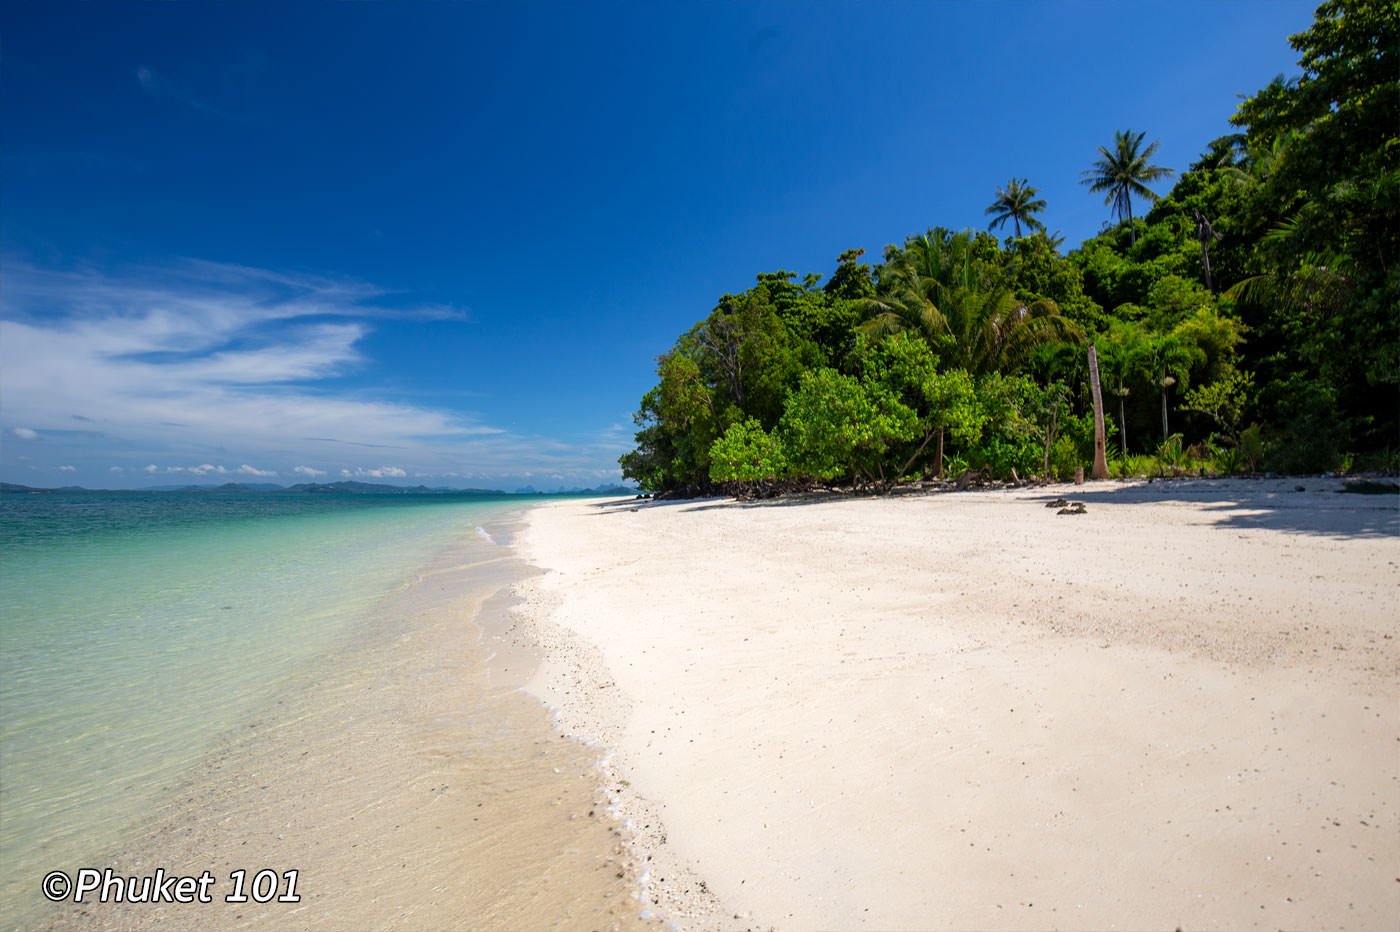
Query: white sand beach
column 966, row 711
column 405, row 790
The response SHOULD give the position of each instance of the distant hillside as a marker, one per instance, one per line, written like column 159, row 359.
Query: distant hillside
column 226, row 487
column 371, row 488
column 325, row 488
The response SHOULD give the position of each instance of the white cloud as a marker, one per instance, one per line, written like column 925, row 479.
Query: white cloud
column 254, row 471
column 218, row 350
column 67, row 469
column 203, row 469
column 378, row 472
column 198, row 361
column 308, row 471
column 117, row 469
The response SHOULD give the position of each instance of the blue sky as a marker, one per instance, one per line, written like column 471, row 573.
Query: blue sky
column 443, row 243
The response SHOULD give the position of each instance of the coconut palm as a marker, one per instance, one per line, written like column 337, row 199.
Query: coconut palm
column 1016, row 202
column 935, row 287
column 1124, row 173
column 915, row 282
column 1165, row 360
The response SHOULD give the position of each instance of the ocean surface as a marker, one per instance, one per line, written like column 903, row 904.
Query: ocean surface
column 139, row 631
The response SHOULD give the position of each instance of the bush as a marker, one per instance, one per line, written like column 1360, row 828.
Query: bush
column 747, row 453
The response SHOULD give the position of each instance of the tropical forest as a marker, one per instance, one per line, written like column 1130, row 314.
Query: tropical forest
column 1242, row 316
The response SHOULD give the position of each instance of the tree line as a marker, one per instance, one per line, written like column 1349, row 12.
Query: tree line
column 1249, row 320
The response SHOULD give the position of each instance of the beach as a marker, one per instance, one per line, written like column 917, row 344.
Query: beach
column 394, row 776
column 966, row 710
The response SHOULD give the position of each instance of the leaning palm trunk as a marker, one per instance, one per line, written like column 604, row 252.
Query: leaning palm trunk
column 1100, row 470
column 1122, row 420
column 1166, row 383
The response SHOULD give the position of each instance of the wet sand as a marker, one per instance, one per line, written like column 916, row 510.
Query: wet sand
column 410, row 787
column 959, row 711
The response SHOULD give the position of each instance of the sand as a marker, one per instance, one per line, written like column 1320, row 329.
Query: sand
column 965, row 711
column 410, row 787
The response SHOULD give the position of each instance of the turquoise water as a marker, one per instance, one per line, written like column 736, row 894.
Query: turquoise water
column 136, row 629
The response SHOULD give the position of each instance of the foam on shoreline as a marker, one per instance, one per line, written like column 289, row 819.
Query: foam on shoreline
column 404, row 783
column 965, row 710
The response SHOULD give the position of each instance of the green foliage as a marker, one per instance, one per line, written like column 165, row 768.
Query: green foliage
column 1137, row 466
column 747, row 353
column 834, row 426
column 1263, row 289
column 952, row 291
column 664, row 457
column 1038, row 272
column 1016, row 202
column 852, row 279
column 1226, row 460
column 1305, row 437
column 1324, row 164
column 1023, row 422
column 747, row 453
column 1252, row 446
column 1173, row 299
column 945, row 403
column 1173, row 456
column 1224, row 401
column 1124, row 171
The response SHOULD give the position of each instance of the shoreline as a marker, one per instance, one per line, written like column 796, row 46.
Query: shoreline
column 406, row 786
column 964, row 710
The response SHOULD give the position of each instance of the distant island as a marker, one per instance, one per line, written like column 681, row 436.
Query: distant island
column 323, row 488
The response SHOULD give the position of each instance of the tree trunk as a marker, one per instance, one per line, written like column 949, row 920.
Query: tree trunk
column 938, row 456
column 917, row 453
column 1100, row 470
column 1122, row 420
column 1205, row 261
column 1164, row 409
column 1051, row 432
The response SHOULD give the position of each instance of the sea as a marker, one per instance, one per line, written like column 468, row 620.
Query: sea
column 181, row 672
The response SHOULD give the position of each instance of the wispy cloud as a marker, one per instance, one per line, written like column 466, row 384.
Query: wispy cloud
column 223, row 352
column 208, row 368
column 378, row 472
column 165, row 87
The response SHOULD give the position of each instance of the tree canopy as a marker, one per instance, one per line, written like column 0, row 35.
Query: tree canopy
column 1249, row 320
column 1124, row 172
column 1016, row 202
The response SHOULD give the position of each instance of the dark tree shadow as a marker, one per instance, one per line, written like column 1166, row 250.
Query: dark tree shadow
column 1320, row 509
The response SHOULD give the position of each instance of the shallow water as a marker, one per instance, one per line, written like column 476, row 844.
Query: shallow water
column 224, row 685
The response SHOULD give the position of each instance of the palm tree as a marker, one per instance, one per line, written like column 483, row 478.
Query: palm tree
column 1161, row 356
column 1205, row 233
column 935, row 287
column 1016, row 202
column 1125, row 172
